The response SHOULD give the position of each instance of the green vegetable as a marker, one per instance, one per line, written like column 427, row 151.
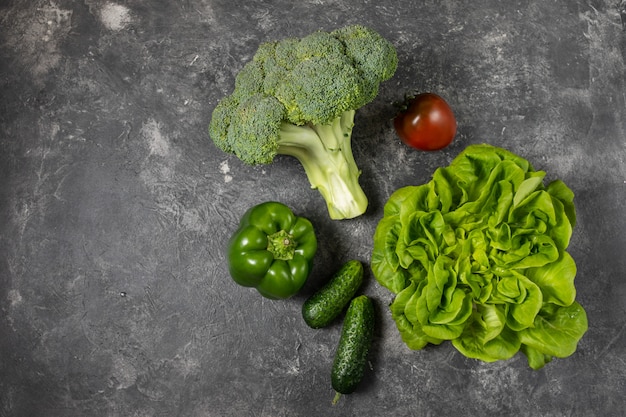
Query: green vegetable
column 298, row 97
column 272, row 250
column 478, row 256
column 321, row 308
column 354, row 345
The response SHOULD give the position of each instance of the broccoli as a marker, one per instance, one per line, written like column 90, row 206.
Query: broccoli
column 298, row 97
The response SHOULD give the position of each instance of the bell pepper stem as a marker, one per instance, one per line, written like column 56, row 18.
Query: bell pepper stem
column 282, row 245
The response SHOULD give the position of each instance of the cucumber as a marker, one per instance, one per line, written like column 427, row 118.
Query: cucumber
column 321, row 308
column 354, row 345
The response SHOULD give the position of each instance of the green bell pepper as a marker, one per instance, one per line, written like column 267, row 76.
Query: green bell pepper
column 272, row 250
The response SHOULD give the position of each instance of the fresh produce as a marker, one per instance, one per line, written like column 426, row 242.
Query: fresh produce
column 321, row 308
column 478, row 256
column 426, row 123
column 354, row 345
column 298, row 97
column 272, row 250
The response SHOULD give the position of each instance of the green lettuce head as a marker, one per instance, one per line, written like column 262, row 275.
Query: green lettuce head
column 478, row 256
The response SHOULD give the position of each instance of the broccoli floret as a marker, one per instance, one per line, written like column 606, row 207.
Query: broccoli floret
column 298, row 97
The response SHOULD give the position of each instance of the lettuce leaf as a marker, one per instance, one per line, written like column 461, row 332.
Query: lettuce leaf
column 478, row 256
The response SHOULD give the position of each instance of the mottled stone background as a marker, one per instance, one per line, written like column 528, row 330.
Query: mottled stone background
column 115, row 205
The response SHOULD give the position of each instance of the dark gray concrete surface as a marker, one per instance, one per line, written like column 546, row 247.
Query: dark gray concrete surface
column 114, row 205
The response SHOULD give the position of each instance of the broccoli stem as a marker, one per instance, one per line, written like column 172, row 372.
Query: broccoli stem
column 325, row 152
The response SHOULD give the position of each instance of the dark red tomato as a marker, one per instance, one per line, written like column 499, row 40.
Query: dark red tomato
column 428, row 123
